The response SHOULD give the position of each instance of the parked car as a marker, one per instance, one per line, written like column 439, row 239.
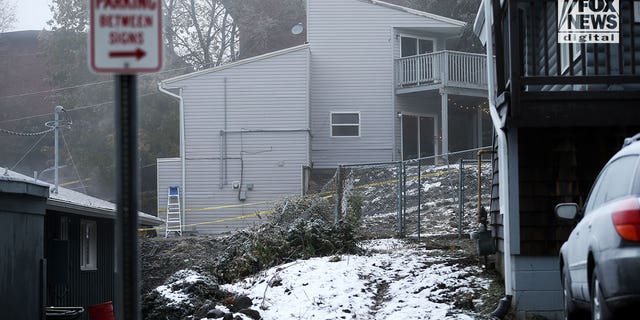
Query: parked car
column 600, row 262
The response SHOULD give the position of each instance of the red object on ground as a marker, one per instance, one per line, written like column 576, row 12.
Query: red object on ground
column 103, row 311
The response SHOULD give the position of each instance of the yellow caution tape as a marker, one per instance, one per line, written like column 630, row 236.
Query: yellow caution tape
column 329, row 195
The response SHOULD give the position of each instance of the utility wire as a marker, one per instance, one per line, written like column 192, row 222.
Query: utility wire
column 74, row 109
column 55, row 90
column 25, row 134
column 66, row 146
column 28, row 151
column 85, row 84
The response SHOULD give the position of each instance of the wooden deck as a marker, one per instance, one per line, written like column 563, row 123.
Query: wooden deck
column 449, row 71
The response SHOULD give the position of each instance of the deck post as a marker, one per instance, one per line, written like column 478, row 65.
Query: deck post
column 479, row 126
column 445, row 123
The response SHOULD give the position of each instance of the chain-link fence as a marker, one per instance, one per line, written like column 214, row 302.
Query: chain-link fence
column 415, row 198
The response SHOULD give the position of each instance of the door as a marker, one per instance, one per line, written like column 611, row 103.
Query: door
column 418, row 132
column 420, row 69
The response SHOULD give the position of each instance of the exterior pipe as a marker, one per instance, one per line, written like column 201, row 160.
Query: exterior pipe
column 182, row 149
column 480, row 153
column 502, row 309
column 503, row 164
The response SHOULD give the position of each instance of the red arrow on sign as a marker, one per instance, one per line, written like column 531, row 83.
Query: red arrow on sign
column 138, row 54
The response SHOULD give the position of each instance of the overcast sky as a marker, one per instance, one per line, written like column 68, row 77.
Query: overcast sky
column 31, row 14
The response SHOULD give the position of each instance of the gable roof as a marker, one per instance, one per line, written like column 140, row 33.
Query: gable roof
column 234, row 64
column 436, row 17
column 69, row 201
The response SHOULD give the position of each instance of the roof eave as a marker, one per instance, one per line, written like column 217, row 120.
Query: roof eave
column 104, row 213
column 479, row 23
column 454, row 22
column 167, row 82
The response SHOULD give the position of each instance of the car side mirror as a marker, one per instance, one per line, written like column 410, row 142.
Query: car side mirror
column 567, row 211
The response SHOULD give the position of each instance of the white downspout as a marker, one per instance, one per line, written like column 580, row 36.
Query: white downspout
column 182, row 150
column 503, row 164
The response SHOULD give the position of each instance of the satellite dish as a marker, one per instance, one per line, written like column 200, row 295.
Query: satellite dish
column 297, row 29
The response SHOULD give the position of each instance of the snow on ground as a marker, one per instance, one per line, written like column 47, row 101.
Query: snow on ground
column 393, row 280
column 173, row 292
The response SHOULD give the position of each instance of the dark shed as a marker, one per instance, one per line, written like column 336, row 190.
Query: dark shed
column 59, row 248
column 22, row 211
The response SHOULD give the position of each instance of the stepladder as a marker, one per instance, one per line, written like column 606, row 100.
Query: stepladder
column 174, row 212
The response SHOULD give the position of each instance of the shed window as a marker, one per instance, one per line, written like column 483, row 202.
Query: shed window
column 88, row 245
column 345, row 124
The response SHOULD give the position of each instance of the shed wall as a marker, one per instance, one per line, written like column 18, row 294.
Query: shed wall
column 21, row 249
column 67, row 284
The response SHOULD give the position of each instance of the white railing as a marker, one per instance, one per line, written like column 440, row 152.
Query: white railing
column 442, row 67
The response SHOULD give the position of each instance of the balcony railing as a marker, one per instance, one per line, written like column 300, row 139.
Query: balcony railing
column 446, row 68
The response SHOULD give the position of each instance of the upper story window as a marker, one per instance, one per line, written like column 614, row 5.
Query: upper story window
column 411, row 46
column 88, row 245
column 345, row 124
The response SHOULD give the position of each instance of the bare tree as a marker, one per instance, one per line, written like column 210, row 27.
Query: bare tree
column 201, row 32
column 7, row 15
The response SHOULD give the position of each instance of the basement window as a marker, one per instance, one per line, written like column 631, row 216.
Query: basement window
column 88, row 245
column 345, row 124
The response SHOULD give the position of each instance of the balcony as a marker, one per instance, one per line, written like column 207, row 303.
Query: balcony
column 449, row 71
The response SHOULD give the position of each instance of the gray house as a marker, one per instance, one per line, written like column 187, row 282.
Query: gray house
column 373, row 83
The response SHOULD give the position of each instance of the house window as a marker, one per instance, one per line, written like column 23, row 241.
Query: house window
column 411, row 46
column 345, row 124
column 88, row 245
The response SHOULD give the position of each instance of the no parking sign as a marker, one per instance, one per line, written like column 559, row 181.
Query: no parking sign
column 126, row 36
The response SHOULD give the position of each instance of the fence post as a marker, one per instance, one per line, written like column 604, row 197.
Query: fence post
column 404, row 197
column 460, row 198
column 339, row 192
column 419, row 194
column 399, row 194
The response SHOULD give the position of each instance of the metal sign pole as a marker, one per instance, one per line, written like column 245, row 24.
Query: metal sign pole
column 127, row 288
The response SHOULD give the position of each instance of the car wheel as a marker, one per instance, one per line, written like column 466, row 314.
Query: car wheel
column 599, row 309
column 570, row 312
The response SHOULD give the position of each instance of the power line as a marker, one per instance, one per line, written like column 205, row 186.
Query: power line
column 28, row 151
column 66, row 146
column 55, row 90
column 74, row 109
column 25, row 134
column 83, row 85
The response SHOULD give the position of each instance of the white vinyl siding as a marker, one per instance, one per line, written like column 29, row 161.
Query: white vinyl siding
column 247, row 124
column 345, row 124
column 169, row 174
column 352, row 44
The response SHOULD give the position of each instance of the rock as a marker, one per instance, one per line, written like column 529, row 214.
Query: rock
column 228, row 316
column 240, row 302
column 180, row 296
column 253, row 314
column 204, row 310
column 215, row 314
